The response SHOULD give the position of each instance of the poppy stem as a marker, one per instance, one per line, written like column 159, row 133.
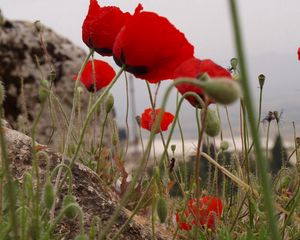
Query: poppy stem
column 261, row 160
column 5, row 165
column 90, row 113
column 70, row 126
column 86, row 123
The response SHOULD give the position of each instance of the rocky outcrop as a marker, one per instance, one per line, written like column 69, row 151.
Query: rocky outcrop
column 26, row 57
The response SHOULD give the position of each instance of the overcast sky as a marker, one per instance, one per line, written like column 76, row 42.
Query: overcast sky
column 271, row 31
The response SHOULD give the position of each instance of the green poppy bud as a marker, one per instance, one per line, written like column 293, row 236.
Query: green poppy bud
column 114, row 139
column 2, row 93
column 234, row 62
column 224, row 145
column 49, row 195
column 109, row 103
column 138, row 120
column 71, row 212
column 222, row 90
column 162, row 209
column 261, row 80
column 43, row 93
column 212, row 123
column 45, row 83
column 173, row 147
column 80, row 90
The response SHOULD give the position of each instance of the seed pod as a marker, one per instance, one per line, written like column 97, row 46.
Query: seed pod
column 234, row 62
column 162, row 209
column 45, row 83
column 224, row 145
column 173, row 147
column 212, row 124
column 49, row 195
column 114, row 139
column 222, row 90
column 81, row 237
column 261, row 80
column 138, row 120
column 109, row 103
column 71, row 212
column 43, row 93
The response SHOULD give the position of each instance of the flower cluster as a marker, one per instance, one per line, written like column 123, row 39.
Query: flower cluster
column 147, row 45
column 208, row 213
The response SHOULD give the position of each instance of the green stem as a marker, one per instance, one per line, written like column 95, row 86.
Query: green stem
column 126, row 116
column 261, row 161
column 87, row 120
column 36, row 170
column 9, row 179
column 101, row 140
column 70, row 127
column 182, row 143
column 267, row 140
column 197, row 163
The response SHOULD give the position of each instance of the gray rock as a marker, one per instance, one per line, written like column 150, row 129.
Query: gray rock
column 23, row 59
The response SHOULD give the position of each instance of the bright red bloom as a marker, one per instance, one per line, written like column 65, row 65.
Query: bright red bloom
column 299, row 53
column 104, row 74
column 194, row 68
column 148, row 119
column 101, row 26
column 210, row 210
column 151, row 47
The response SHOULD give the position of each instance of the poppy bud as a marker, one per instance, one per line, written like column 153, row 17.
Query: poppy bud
column 234, row 62
column 45, row 83
column 173, row 147
column 222, row 90
column 224, row 145
column 2, row 93
column 49, row 195
column 212, row 123
column 109, row 103
column 43, row 93
column 162, row 209
column 261, row 80
column 138, row 120
column 80, row 90
column 114, row 139
column 38, row 26
column 81, row 237
column 72, row 211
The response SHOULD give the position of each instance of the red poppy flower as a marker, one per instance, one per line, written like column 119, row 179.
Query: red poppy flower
column 148, row 119
column 151, row 47
column 194, row 68
column 104, row 74
column 210, row 210
column 101, row 26
column 299, row 53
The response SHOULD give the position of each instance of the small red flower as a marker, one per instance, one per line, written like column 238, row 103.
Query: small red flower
column 101, row 26
column 194, row 68
column 151, row 47
column 149, row 116
column 299, row 53
column 210, row 210
column 104, row 74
